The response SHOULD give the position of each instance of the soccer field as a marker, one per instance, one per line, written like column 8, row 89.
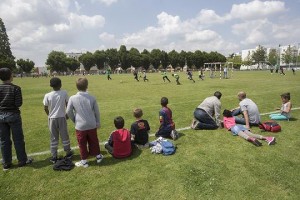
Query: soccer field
column 207, row 164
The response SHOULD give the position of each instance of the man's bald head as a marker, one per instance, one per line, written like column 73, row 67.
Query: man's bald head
column 241, row 95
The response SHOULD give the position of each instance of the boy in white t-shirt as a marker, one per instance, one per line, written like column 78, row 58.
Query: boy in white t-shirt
column 55, row 103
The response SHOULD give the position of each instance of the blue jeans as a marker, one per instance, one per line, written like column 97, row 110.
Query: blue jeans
column 205, row 121
column 11, row 123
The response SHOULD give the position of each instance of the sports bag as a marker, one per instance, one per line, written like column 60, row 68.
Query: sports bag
column 271, row 126
column 168, row 147
column 64, row 164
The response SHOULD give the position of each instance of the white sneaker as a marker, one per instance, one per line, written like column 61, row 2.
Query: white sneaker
column 81, row 164
column 99, row 160
column 174, row 135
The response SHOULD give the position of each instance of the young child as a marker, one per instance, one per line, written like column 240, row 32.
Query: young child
column 285, row 110
column 167, row 126
column 119, row 142
column 83, row 110
column 55, row 103
column 145, row 76
column 242, row 131
column 165, row 77
column 135, row 74
column 140, row 129
column 11, row 122
column 176, row 76
column 190, row 75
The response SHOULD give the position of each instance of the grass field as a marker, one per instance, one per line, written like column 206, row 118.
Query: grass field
column 207, row 164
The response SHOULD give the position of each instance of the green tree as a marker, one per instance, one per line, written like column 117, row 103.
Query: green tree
column 273, row 57
column 174, row 58
column 164, row 59
column 57, row 61
column 289, row 55
column 112, row 57
column 72, row 64
column 88, row 61
column 26, row 65
column 182, row 58
column 155, row 57
column 134, row 57
column 145, row 59
column 100, row 58
column 236, row 60
column 123, row 56
column 260, row 55
column 6, row 57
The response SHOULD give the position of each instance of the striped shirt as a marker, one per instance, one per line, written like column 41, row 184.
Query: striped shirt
column 10, row 98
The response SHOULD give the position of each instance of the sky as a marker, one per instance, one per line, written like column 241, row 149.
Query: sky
column 36, row 27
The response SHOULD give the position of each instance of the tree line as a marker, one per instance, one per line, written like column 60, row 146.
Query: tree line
column 159, row 59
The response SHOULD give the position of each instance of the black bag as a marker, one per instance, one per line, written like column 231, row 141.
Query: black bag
column 64, row 164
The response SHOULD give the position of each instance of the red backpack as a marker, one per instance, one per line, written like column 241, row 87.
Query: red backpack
column 270, row 126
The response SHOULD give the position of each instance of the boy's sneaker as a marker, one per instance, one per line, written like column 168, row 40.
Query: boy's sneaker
column 69, row 154
column 174, row 135
column 6, row 166
column 53, row 159
column 81, row 164
column 255, row 142
column 194, row 123
column 99, row 159
column 27, row 162
column 270, row 140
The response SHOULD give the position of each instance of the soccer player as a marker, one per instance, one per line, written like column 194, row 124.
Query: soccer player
column 145, row 76
column 108, row 72
column 135, row 74
column 176, row 76
column 190, row 75
column 164, row 75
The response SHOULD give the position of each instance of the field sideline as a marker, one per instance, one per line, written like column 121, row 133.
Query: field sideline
column 207, row 165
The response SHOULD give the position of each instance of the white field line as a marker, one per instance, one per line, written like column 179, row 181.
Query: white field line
column 102, row 143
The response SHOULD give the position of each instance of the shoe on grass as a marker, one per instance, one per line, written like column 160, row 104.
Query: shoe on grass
column 69, row 154
column 270, row 140
column 255, row 141
column 99, row 159
column 27, row 162
column 53, row 159
column 6, row 166
column 174, row 135
column 81, row 164
column 194, row 123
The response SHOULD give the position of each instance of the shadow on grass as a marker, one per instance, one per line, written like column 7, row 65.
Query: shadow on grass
column 293, row 119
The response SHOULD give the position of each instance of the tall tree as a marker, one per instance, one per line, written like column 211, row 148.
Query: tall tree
column 155, row 57
column 6, row 57
column 100, row 58
column 57, row 61
column 273, row 57
column 289, row 55
column 134, row 57
column 112, row 57
column 123, row 56
column 26, row 65
column 164, row 59
column 260, row 55
column 182, row 58
column 72, row 64
column 88, row 60
column 145, row 59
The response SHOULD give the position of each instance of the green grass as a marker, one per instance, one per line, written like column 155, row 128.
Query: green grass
column 207, row 164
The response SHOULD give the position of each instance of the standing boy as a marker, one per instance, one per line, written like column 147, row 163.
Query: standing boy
column 55, row 103
column 167, row 126
column 11, row 122
column 108, row 72
column 119, row 142
column 140, row 129
column 84, row 112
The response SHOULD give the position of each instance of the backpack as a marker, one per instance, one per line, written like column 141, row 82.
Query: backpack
column 168, row 147
column 271, row 126
column 64, row 164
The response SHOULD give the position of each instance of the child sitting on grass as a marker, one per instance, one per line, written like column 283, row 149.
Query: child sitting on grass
column 285, row 110
column 140, row 129
column 119, row 142
column 167, row 126
column 242, row 131
column 83, row 110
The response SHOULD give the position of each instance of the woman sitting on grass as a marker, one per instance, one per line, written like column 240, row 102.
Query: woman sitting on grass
column 242, row 131
column 285, row 110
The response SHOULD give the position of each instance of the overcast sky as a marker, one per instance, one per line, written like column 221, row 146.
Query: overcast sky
column 36, row 27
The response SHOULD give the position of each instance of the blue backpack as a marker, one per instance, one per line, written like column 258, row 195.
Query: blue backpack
column 168, row 147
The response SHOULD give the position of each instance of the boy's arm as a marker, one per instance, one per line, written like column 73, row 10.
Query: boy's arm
column 110, row 140
column 217, row 113
column 70, row 111
column 97, row 114
column 161, row 119
column 245, row 113
column 46, row 110
column 18, row 97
